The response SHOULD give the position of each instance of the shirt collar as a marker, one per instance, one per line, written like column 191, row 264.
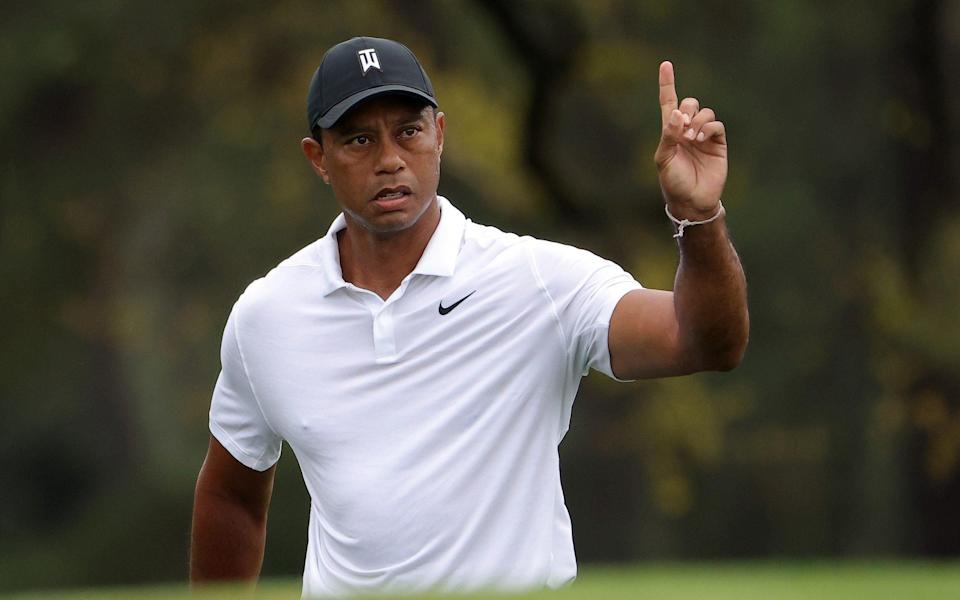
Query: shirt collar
column 439, row 257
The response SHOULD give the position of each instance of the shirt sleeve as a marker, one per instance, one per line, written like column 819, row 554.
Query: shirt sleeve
column 583, row 290
column 236, row 417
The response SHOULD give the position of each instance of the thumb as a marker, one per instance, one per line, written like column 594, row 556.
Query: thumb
column 669, row 139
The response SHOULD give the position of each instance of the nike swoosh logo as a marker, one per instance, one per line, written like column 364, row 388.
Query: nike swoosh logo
column 445, row 309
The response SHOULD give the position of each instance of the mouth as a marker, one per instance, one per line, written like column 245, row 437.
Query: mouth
column 392, row 197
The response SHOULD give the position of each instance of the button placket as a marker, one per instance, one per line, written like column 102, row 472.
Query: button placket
column 384, row 339
column 384, row 335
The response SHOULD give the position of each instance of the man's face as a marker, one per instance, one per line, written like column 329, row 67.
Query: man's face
column 382, row 160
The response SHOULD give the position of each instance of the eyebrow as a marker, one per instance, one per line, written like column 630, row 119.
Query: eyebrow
column 351, row 128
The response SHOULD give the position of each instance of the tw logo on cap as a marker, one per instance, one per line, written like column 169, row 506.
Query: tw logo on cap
column 369, row 60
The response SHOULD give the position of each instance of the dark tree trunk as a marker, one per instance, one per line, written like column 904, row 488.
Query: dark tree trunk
column 546, row 43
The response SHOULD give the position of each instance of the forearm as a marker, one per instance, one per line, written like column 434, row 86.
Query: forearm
column 227, row 539
column 710, row 298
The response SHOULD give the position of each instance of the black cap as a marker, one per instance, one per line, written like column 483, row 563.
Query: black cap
column 359, row 68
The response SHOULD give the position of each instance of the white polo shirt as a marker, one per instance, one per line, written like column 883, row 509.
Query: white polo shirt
column 426, row 425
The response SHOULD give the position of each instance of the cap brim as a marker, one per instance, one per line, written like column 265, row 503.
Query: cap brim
column 338, row 110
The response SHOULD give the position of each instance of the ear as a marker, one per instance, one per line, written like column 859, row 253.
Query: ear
column 313, row 150
column 440, row 121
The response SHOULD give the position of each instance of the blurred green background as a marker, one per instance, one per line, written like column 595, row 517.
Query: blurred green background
column 150, row 169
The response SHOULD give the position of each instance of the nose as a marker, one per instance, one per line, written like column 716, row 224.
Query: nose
column 389, row 159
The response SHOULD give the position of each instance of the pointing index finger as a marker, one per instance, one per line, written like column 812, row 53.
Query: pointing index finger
column 668, row 91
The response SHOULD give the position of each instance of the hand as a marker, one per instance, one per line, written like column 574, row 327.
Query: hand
column 692, row 155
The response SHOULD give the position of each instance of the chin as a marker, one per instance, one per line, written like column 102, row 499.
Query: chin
column 386, row 224
column 394, row 221
column 390, row 226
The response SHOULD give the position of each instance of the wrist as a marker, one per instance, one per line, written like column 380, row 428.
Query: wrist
column 692, row 218
column 693, row 213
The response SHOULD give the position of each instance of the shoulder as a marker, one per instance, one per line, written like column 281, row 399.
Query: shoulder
column 546, row 252
column 490, row 238
column 284, row 283
column 308, row 256
column 542, row 255
column 492, row 250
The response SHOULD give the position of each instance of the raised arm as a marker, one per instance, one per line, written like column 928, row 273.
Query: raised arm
column 703, row 324
column 229, row 518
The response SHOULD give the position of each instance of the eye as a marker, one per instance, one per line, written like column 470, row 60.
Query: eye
column 409, row 131
column 360, row 140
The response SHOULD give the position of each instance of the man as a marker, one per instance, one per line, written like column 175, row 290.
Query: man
column 423, row 367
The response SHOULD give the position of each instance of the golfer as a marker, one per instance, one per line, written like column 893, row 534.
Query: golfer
column 422, row 367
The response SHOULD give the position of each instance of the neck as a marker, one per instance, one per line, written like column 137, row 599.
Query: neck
column 379, row 262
